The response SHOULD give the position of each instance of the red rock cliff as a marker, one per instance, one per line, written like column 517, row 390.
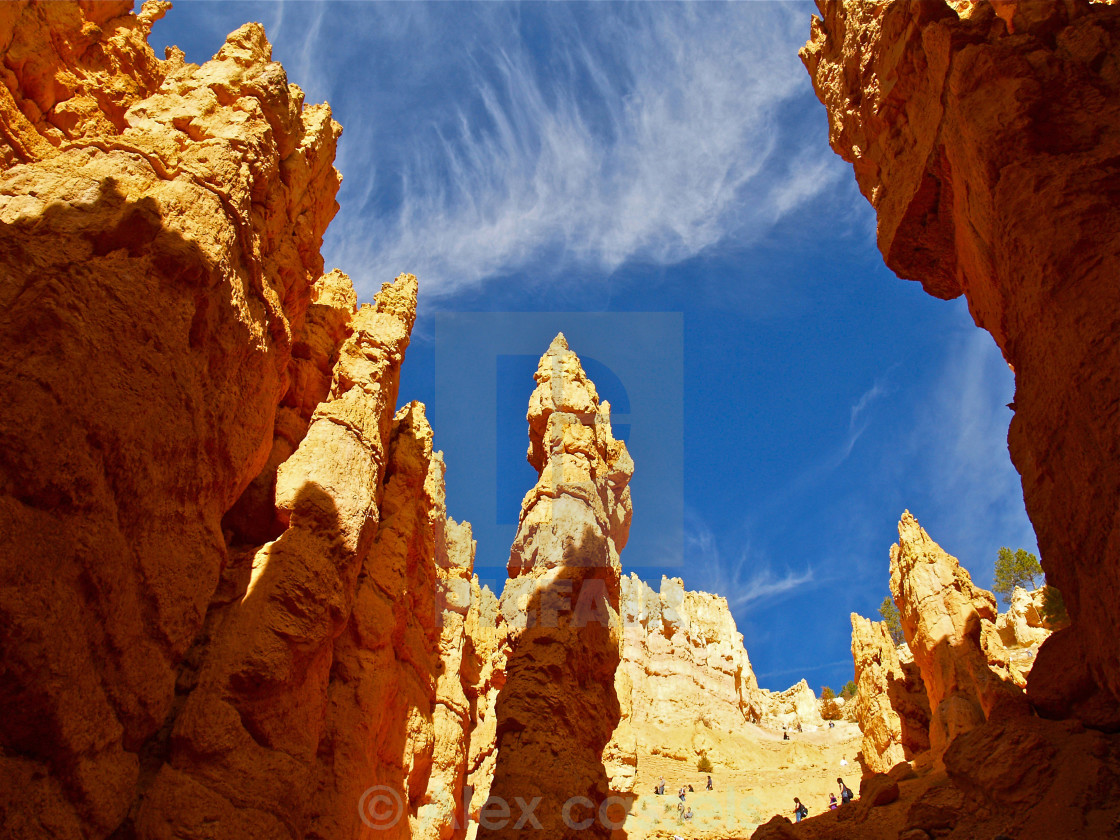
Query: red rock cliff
column 989, row 146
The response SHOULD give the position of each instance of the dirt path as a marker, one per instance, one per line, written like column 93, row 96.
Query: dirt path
column 755, row 775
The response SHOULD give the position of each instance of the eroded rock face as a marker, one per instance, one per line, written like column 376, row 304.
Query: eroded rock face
column 991, row 157
column 949, row 626
column 182, row 384
column 161, row 225
column 1022, row 625
column 685, row 657
column 683, row 665
column 558, row 707
column 795, row 707
column 891, row 707
column 484, row 674
column 260, row 703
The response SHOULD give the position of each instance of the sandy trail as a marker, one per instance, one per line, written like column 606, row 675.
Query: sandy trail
column 755, row 775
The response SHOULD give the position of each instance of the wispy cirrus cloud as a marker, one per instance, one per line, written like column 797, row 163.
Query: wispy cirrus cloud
column 744, row 578
column 546, row 138
column 959, row 450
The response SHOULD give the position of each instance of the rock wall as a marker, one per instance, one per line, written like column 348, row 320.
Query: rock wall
column 891, row 706
column 950, row 628
column 683, row 665
column 795, row 707
column 989, row 146
column 558, row 707
column 1022, row 624
column 221, row 549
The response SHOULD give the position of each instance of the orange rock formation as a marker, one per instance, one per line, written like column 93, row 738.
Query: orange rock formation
column 230, row 600
column 683, row 664
column 989, row 146
column 558, row 707
column 950, row 627
column 892, row 709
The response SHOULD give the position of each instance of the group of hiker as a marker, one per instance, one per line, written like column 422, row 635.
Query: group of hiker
column 659, row 789
column 801, row 812
column 684, row 810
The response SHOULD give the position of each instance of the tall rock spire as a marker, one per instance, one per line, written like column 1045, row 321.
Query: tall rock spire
column 949, row 624
column 556, row 712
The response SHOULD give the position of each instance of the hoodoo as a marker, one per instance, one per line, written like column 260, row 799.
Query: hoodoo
column 891, row 704
column 950, row 625
column 558, row 707
column 221, row 551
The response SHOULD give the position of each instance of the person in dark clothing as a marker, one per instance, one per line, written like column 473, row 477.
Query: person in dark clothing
column 845, row 792
column 709, row 783
column 800, row 811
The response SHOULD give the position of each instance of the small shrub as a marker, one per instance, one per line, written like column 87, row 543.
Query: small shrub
column 849, row 690
column 704, row 765
column 830, row 709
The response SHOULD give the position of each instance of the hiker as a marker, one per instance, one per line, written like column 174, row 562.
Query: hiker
column 680, row 793
column 660, row 789
column 799, row 726
column 687, row 814
column 690, row 790
column 832, row 802
column 831, row 724
column 801, row 812
column 709, row 782
column 843, row 761
column 785, row 734
column 845, row 792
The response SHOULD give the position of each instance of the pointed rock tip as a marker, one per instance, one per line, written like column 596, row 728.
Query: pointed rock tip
column 560, row 342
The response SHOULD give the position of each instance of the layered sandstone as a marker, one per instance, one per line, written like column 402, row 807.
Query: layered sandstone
column 484, row 675
column 950, row 628
column 1022, row 624
column 558, row 707
column 891, row 706
column 683, row 665
column 989, row 146
column 397, row 718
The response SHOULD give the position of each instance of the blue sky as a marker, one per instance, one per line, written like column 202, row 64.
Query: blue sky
column 597, row 159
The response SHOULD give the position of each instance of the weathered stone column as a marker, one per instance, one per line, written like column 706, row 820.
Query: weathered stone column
column 558, row 707
column 949, row 624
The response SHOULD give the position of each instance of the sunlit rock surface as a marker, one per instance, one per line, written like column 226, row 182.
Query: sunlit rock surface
column 558, row 706
column 987, row 138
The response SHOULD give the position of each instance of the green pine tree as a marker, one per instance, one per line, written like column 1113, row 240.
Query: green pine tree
column 890, row 615
column 1015, row 569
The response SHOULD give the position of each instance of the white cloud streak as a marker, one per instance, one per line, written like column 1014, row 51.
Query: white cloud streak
column 652, row 134
column 743, row 580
